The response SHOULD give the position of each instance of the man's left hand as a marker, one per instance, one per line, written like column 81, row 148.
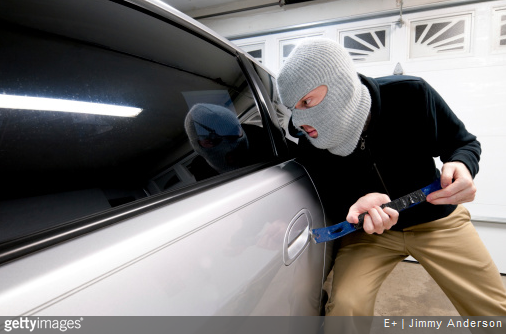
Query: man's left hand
column 457, row 185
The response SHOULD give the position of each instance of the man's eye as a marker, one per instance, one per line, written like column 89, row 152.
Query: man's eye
column 307, row 102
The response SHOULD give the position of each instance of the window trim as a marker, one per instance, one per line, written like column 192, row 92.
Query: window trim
column 266, row 108
column 497, row 13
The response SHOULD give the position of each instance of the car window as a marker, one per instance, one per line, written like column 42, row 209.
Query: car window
column 102, row 105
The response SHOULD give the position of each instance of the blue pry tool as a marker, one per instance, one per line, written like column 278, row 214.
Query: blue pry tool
column 339, row 230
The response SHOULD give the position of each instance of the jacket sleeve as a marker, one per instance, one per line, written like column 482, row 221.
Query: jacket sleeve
column 452, row 141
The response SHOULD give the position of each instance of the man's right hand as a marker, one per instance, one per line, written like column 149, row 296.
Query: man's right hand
column 378, row 219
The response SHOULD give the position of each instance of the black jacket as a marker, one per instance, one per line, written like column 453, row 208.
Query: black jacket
column 410, row 124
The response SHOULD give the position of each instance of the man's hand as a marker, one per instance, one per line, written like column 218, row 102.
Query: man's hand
column 377, row 220
column 457, row 185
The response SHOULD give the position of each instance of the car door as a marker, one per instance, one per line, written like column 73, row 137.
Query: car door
column 109, row 206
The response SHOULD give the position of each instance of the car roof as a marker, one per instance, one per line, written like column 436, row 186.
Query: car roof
column 164, row 9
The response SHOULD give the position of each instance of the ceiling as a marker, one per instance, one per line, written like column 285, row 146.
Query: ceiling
column 192, row 5
column 208, row 8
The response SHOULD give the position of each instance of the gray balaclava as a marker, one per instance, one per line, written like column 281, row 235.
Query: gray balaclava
column 216, row 134
column 341, row 116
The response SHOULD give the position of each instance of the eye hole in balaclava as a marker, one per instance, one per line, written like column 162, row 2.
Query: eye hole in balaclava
column 216, row 134
column 312, row 98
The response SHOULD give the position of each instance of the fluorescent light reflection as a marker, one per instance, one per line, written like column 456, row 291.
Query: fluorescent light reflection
column 59, row 105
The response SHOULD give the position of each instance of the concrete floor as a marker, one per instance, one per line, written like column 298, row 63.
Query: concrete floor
column 410, row 291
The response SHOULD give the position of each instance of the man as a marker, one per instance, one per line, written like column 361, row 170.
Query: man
column 374, row 140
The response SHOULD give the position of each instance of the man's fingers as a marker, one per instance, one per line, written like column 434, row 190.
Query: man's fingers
column 465, row 195
column 387, row 220
column 364, row 204
column 368, row 226
column 441, row 194
column 371, row 225
column 446, row 192
column 383, row 216
column 447, row 174
column 393, row 216
column 378, row 220
column 352, row 218
column 458, row 192
column 392, row 213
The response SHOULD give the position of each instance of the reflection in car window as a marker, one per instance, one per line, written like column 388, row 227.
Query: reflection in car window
column 216, row 134
column 93, row 109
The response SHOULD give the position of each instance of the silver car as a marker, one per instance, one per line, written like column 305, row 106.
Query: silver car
column 123, row 189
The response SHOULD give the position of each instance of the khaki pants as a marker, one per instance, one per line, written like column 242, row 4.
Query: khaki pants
column 449, row 249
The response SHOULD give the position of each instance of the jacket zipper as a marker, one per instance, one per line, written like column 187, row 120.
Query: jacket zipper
column 362, row 142
column 363, row 147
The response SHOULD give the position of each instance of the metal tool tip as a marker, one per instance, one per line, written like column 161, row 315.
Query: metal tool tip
column 313, row 236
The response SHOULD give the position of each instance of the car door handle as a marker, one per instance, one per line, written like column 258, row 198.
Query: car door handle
column 297, row 236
